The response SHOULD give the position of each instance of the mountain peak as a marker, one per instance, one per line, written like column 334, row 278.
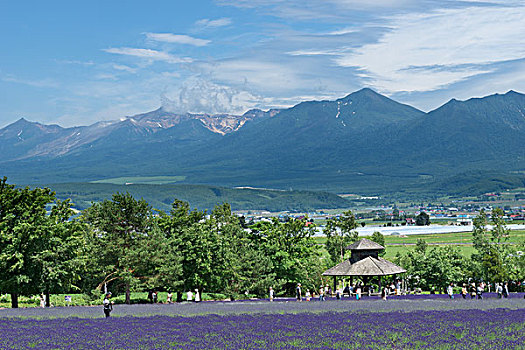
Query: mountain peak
column 361, row 92
column 513, row 93
column 366, row 90
column 21, row 121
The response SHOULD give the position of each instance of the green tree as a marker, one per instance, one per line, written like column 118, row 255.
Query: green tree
column 433, row 268
column 516, row 263
column 492, row 250
column 116, row 229
column 423, row 219
column 156, row 261
column 421, row 246
column 379, row 239
column 60, row 259
column 340, row 232
column 293, row 253
column 37, row 250
column 395, row 214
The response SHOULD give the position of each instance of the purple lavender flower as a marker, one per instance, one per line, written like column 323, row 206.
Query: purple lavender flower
column 496, row 328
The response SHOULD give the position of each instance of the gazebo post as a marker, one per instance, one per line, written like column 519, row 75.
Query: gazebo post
column 335, row 284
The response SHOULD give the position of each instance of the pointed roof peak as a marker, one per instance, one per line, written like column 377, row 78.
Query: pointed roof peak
column 365, row 244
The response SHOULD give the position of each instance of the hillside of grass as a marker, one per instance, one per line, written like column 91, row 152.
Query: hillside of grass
column 201, row 196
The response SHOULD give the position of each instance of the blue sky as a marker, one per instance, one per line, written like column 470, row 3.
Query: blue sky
column 75, row 63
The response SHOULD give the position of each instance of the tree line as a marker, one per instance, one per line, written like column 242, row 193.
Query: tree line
column 494, row 260
column 125, row 245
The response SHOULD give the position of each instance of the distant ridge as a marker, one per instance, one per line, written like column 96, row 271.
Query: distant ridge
column 363, row 142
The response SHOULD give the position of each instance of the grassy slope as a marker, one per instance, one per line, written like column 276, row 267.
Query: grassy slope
column 201, row 196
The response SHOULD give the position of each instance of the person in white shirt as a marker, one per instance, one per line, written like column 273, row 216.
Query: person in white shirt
column 189, row 295
column 197, row 296
column 450, row 291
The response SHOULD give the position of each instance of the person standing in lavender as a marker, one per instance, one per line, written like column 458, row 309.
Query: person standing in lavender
column 108, row 304
column 298, row 293
column 450, row 290
column 154, row 297
column 197, row 296
column 464, row 291
column 358, row 292
column 472, row 290
column 479, row 291
column 272, row 294
column 506, row 290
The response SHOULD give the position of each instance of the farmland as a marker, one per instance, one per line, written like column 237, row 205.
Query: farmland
column 462, row 240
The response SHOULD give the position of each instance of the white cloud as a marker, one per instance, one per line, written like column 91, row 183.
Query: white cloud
column 177, row 39
column 153, row 55
column 171, row 74
column 39, row 83
column 198, row 95
column 343, row 31
column 106, row 76
column 424, row 52
column 213, row 23
column 266, row 75
column 122, row 67
column 325, row 9
column 76, row 62
column 314, row 52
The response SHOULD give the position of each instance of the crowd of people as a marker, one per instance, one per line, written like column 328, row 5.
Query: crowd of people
column 471, row 290
column 355, row 290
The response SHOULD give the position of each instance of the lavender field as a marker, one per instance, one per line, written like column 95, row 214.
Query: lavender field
column 369, row 324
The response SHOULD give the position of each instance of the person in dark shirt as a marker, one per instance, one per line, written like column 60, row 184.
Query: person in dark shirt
column 108, row 305
column 472, row 290
column 505, row 290
column 298, row 293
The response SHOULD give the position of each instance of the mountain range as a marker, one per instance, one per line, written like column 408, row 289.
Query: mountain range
column 362, row 143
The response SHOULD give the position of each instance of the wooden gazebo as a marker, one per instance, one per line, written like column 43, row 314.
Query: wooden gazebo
column 364, row 262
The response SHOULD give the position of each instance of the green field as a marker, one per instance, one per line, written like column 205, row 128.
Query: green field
column 462, row 240
column 143, row 180
column 391, row 251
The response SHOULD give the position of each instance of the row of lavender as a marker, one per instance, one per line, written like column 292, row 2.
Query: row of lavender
column 281, row 305
column 421, row 329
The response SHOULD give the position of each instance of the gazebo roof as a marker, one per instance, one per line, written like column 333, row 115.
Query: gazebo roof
column 369, row 266
column 365, row 244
